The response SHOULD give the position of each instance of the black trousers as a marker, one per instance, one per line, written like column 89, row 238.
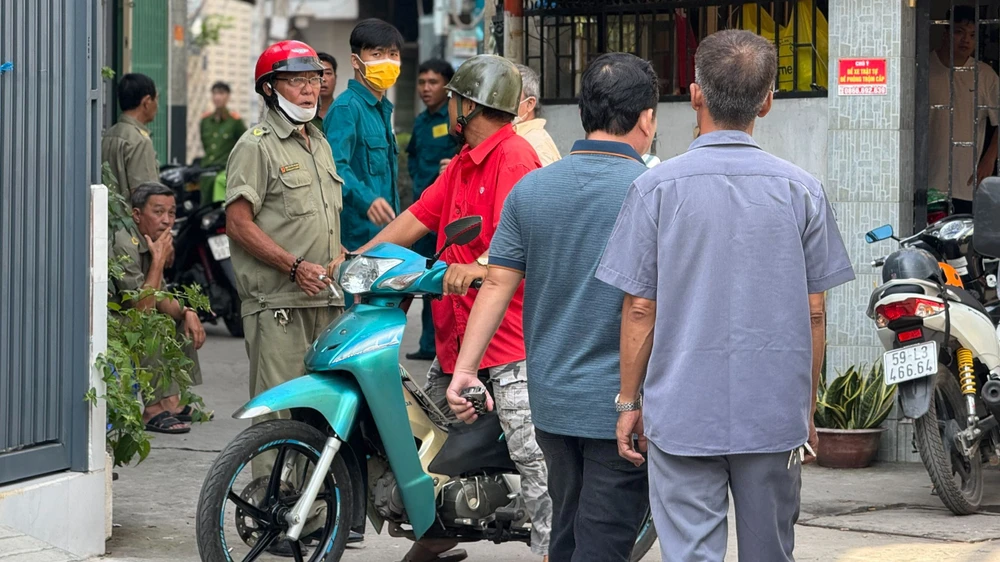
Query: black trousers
column 598, row 499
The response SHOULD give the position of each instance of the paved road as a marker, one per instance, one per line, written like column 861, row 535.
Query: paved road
column 885, row 513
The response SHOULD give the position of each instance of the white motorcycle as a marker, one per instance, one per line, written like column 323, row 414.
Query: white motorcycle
column 942, row 345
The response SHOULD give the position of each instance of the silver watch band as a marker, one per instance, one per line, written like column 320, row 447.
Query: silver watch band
column 627, row 406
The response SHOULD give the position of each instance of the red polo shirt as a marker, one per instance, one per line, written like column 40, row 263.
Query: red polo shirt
column 476, row 182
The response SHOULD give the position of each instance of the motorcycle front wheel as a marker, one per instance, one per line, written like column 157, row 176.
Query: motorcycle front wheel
column 241, row 516
column 646, row 538
column 957, row 478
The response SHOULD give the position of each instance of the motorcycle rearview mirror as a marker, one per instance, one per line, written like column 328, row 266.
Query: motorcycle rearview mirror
column 459, row 232
column 986, row 218
column 883, row 232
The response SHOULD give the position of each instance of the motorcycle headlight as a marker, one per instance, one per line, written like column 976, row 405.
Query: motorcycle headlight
column 359, row 274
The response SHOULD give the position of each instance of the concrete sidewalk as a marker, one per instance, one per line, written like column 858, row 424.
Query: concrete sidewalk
column 18, row 547
column 884, row 513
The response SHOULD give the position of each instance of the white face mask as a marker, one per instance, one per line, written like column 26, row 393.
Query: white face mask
column 518, row 118
column 299, row 115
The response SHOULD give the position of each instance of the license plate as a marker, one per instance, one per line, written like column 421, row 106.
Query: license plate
column 219, row 246
column 909, row 363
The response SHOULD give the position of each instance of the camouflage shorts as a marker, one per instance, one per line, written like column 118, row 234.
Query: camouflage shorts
column 510, row 395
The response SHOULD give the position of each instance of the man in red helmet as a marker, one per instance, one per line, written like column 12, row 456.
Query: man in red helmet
column 283, row 202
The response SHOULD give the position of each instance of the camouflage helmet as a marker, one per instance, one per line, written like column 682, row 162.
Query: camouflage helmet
column 489, row 80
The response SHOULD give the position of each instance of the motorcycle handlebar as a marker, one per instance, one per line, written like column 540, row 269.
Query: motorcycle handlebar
column 879, row 262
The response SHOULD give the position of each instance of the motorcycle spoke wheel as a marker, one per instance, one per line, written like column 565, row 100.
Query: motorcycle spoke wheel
column 244, row 519
column 957, row 479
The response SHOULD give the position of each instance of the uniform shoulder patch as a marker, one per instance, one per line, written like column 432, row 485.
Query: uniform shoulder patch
column 144, row 133
column 135, row 241
column 258, row 131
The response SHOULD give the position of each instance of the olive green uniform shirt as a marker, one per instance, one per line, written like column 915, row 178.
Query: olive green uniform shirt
column 125, row 243
column 219, row 136
column 128, row 149
column 296, row 197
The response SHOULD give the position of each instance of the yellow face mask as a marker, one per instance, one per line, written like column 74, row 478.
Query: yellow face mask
column 380, row 75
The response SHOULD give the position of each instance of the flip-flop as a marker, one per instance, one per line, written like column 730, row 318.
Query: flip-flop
column 456, row 555
column 186, row 415
column 163, row 422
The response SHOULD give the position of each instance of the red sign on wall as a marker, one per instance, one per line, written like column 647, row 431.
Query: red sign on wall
column 862, row 77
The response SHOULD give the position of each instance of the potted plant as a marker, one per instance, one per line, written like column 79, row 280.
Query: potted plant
column 849, row 411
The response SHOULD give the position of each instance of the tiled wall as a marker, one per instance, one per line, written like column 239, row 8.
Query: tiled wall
column 870, row 175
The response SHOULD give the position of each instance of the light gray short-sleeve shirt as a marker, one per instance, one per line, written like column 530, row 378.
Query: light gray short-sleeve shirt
column 729, row 241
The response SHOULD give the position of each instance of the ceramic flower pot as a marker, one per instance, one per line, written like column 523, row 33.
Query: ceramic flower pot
column 847, row 448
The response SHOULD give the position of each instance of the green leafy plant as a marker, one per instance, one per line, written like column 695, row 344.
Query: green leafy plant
column 210, row 30
column 856, row 399
column 134, row 335
column 107, row 73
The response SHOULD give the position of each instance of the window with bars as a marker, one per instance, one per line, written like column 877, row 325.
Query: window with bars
column 563, row 36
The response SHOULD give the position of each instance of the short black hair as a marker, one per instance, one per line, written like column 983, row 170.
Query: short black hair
column 963, row 14
column 442, row 67
column 496, row 115
column 616, row 88
column 222, row 87
column 327, row 57
column 735, row 70
column 142, row 193
column 374, row 33
column 132, row 88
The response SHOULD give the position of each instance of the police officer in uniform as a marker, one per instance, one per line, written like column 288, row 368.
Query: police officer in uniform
column 220, row 129
column 127, row 146
column 283, row 202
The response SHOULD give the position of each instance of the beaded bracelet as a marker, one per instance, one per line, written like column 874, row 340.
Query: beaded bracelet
column 295, row 268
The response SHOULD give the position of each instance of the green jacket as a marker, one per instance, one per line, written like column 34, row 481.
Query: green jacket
column 219, row 136
column 359, row 129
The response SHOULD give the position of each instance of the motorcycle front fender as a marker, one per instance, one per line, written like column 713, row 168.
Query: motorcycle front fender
column 915, row 396
column 227, row 270
column 336, row 397
column 364, row 342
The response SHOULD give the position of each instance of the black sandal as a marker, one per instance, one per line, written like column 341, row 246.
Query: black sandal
column 186, row 415
column 455, row 555
column 164, row 422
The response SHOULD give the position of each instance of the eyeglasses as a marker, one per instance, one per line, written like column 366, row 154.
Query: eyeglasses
column 300, row 81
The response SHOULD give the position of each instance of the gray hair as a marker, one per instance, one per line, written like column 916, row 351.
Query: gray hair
column 530, row 87
column 736, row 70
column 145, row 190
column 529, row 82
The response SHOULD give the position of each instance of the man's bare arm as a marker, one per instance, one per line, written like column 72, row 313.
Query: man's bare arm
column 817, row 319
column 487, row 312
column 638, row 320
column 241, row 228
column 403, row 231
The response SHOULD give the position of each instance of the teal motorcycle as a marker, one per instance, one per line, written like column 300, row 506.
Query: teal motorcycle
column 363, row 441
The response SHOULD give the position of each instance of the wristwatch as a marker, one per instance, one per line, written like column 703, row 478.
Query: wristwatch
column 627, row 406
column 483, row 261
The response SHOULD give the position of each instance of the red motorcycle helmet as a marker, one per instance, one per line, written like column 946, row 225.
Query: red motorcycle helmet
column 285, row 56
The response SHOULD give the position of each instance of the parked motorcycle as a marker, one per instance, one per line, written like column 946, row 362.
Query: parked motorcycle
column 201, row 248
column 364, row 439
column 936, row 314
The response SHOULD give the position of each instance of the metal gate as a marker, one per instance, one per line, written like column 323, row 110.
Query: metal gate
column 49, row 114
column 957, row 101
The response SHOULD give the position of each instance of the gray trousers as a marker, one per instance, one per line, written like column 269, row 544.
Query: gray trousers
column 510, row 395
column 689, row 498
